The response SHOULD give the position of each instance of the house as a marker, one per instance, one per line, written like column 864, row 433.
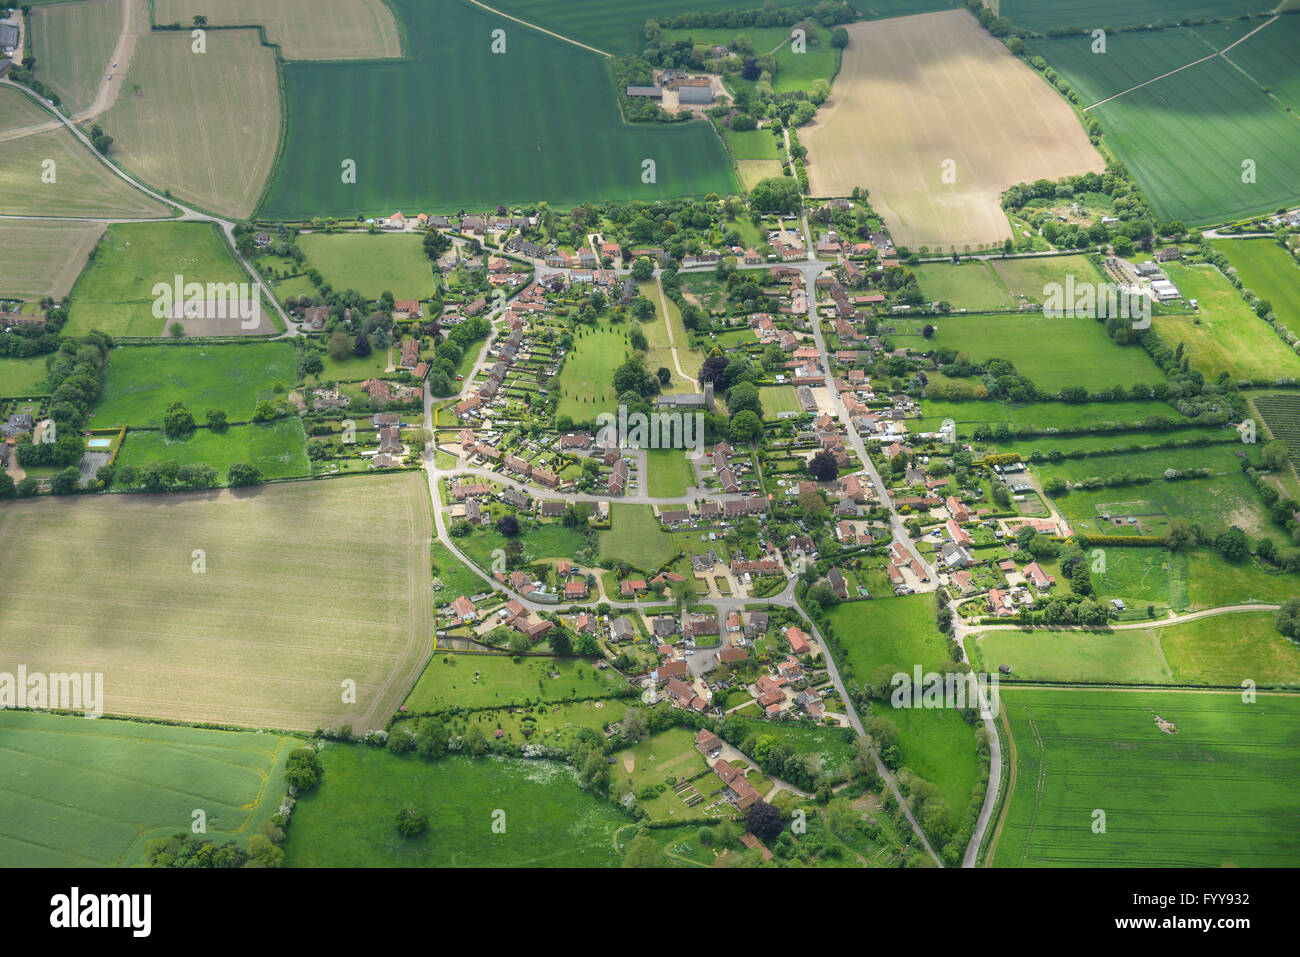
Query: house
column 1040, row 579
column 702, row 627
column 632, row 586
column 664, row 625
column 464, row 609
column 738, row 791
column 672, row 670
column 798, row 640
column 730, row 655
column 574, row 590
column 512, row 496
column 1000, row 603
column 546, row 477
column 811, row 703
column 621, row 629
column 957, row 510
column 406, row 309
column 958, row 534
column 838, row 585
column 791, row 669
column 708, row 743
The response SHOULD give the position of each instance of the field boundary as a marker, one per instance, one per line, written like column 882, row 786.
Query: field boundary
column 533, row 26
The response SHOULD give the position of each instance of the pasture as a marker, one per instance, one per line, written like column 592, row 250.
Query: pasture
column 303, row 29
column 84, row 793
column 143, row 381
column 1224, row 334
column 1066, row 416
column 333, row 117
column 972, row 286
column 278, row 449
column 585, row 380
column 488, row 681
column 371, row 265
column 204, row 128
column 1027, row 278
column 288, row 607
column 1269, row 270
column 348, row 820
column 20, row 377
column 1216, row 793
column 39, row 259
column 73, row 45
column 938, row 119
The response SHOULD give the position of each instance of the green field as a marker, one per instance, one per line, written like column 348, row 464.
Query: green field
column 116, row 294
column 371, row 265
column 20, row 377
column 1028, row 277
column 671, row 472
column 278, row 449
column 1269, row 270
column 753, row 144
column 1068, row 416
column 1037, row 15
column 1281, row 415
column 303, row 29
column 778, row 399
column 794, row 71
column 348, row 821
column 586, row 389
column 970, row 285
column 1222, row 458
column 72, row 44
column 488, row 681
column 457, row 579
column 636, row 537
column 143, row 381
column 669, row 754
column 84, row 793
column 1217, row 793
column 544, row 154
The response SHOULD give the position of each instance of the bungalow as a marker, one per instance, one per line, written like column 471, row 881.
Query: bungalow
column 621, row 629
column 1041, row 580
column 552, row 509
column 632, row 586
column 406, row 309
column 664, row 625
column 798, row 640
column 671, row 518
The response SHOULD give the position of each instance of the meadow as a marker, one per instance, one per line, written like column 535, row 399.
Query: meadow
column 1100, row 441
column 1269, row 270
column 371, row 265
column 546, row 155
column 971, row 285
column 547, row 541
column 303, row 29
column 115, row 293
column 488, row 681
column 457, row 579
column 921, row 69
column 19, row 377
column 636, row 537
column 143, row 381
column 203, row 128
column 72, row 44
column 1217, row 793
column 348, row 821
column 585, row 380
column 1070, row 417
column 278, row 449
column 39, row 259
column 84, row 793
column 1221, row 458
column 262, row 607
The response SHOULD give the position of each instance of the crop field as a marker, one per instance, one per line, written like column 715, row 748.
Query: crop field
column 371, row 265
column 1215, row 793
column 1281, row 414
column 1224, row 335
column 39, row 259
column 585, row 381
column 205, row 128
column 348, row 820
column 143, row 381
column 84, row 793
column 1269, row 56
column 1142, row 576
column 278, row 449
column 544, row 154
column 288, row 607
column 82, row 185
column 1040, row 16
column 303, row 29
column 1266, row 268
column 488, row 681
column 115, row 293
column 975, row 121
column 72, row 44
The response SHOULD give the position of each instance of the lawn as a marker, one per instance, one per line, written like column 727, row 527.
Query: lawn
column 72, row 44
column 778, row 399
column 371, row 265
column 487, row 681
column 1269, row 270
column 278, row 449
column 753, row 144
column 585, row 383
column 339, row 112
column 39, row 259
column 20, row 377
column 547, row 541
column 636, row 537
column 116, row 294
column 143, row 381
column 84, row 793
column 303, row 29
column 1218, row 793
column 262, row 607
column 457, row 579
column 668, row 755
column 348, row 821
column 671, row 472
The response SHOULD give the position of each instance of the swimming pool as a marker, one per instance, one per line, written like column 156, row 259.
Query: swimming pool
column 99, row 443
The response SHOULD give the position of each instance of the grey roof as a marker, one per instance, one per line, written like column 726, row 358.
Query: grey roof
column 695, row 94
column 651, row 91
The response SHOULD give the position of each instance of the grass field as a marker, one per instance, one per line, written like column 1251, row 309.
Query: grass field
column 72, row 44
column 203, row 127
column 82, row 185
column 22, row 376
column 671, row 472
column 278, row 449
column 753, row 144
column 457, row 579
column 84, row 793
column 39, row 259
column 115, row 292
column 778, row 399
column 1217, row 793
column 1224, row 335
column 303, row 29
column 1266, row 268
column 1041, row 415
column 488, row 681
column 304, row 588
column 1028, row 278
column 1037, row 15
column 636, row 537
column 970, row 285
column 371, row 265
column 333, row 117
column 585, row 381
column 669, row 754
column 142, row 381
column 949, row 79
column 1221, row 458
column 348, row 821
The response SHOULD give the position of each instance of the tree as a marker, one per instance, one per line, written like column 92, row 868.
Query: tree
column 643, row 269
column 1233, row 545
column 216, row 419
column 431, row 738
column 1180, row 534
column 561, row 641
column 776, row 195
column 1288, row 619
column 634, row 725
column 312, row 364
column 177, row 330
column 664, row 375
column 361, row 347
column 340, row 346
column 178, row 422
column 743, row 397
column 1275, row 455
column 242, row 474
column 508, row 525
column 644, row 851
column 823, row 467
column 746, row 426
column 411, row 821
column 66, row 481
column 839, row 38
column 764, row 820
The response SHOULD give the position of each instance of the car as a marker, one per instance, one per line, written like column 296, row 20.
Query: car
column 688, row 651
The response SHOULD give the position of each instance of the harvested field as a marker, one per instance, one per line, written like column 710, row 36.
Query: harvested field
column 303, row 29
column 43, row 258
column 72, row 44
column 304, row 588
column 917, row 92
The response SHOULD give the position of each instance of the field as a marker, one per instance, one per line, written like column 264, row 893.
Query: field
column 84, row 793
column 1266, row 268
column 39, row 259
column 489, row 681
column 22, row 376
column 965, row 99
column 1028, row 277
column 586, row 389
column 778, row 399
column 348, row 820
column 278, row 449
column 1281, row 415
column 72, row 44
column 636, row 537
column 371, row 265
column 669, row 754
column 1037, row 15
column 303, row 29
column 970, row 285
column 671, row 472
column 142, row 381
column 545, row 154
column 1221, row 458
column 457, row 579
column 82, row 186
column 206, row 127
column 1217, row 793
column 1042, row 415
column 753, row 144
column 303, row 590
column 1224, row 335
column 115, row 293
column 794, row 71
